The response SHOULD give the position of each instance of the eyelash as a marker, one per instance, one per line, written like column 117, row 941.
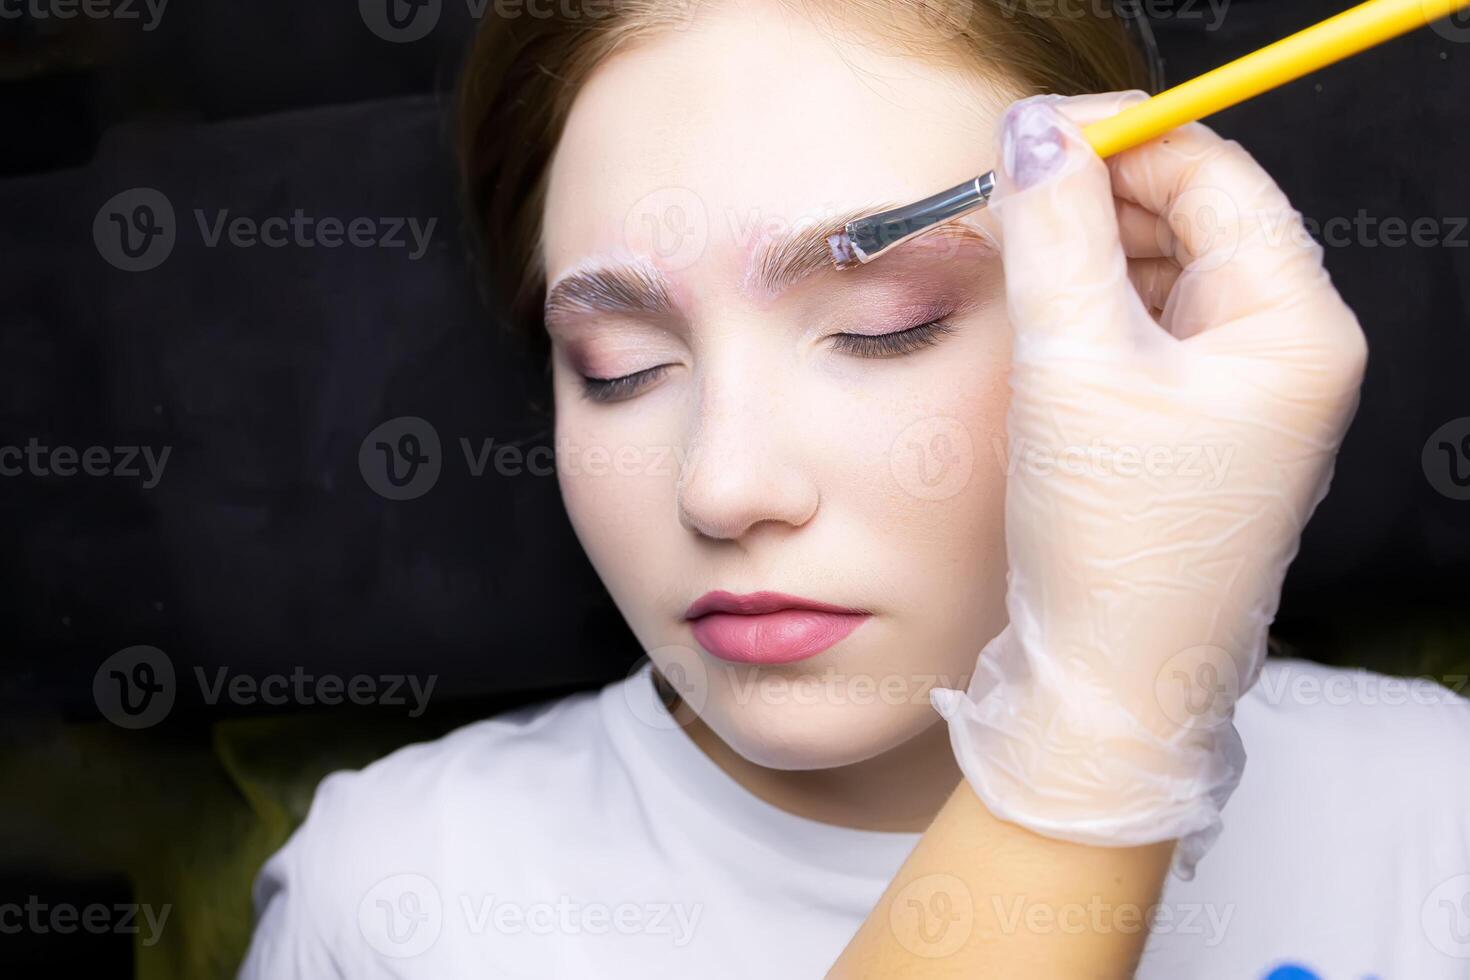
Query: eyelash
column 617, row 389
column 894, row 344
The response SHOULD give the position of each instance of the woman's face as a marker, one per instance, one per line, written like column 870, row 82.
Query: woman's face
column 781, row 426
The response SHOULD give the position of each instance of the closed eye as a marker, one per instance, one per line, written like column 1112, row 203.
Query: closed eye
column 618, row 389
column 892, row 344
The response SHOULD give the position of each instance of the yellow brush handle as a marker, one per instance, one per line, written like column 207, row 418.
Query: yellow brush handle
column 1332, row 40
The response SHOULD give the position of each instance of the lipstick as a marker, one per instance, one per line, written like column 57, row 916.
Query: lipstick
column 768, row 627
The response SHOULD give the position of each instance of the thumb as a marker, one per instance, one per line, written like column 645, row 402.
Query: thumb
column 1065, row 271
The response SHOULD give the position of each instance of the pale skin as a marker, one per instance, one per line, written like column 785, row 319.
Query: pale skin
column 690, row 168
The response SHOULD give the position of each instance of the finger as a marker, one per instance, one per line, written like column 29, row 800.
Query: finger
column 1242, row 244
column 1066, row 273
column 1085, row 109
column 1153, row 279
column 1144, row 234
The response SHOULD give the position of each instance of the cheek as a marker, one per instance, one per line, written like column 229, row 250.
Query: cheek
column 928, row 436
column 617, row 471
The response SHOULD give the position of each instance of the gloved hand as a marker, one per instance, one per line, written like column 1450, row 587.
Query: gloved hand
column 1179, row 392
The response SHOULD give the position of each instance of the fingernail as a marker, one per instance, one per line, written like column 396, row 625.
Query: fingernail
column 1033, row 146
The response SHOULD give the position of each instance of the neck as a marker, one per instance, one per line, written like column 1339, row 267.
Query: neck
column 898, row 791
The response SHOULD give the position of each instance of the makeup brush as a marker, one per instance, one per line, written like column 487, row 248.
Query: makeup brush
column 1334, row 39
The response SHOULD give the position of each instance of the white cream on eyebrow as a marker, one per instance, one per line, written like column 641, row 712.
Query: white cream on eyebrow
column 601, row 284
column 944, row 243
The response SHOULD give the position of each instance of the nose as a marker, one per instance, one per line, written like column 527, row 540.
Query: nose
column 745, row 467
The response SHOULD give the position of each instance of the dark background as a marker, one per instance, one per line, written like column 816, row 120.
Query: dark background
column 264, row 548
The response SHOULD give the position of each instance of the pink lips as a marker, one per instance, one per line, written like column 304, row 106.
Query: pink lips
column 768, row 627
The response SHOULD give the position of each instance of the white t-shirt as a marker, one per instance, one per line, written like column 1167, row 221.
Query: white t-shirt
column 590, row 838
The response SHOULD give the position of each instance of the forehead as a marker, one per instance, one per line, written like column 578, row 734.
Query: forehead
column 695, row 147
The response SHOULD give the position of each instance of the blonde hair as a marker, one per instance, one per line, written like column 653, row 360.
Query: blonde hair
column 523, row 73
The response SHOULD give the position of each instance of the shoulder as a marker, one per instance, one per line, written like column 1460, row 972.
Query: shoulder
column 410, row 821
column 1351, row 809
column 482, row 774
column 1344, row 732
column 427, row 777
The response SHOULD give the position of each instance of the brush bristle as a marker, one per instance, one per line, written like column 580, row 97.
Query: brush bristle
column 843, row 254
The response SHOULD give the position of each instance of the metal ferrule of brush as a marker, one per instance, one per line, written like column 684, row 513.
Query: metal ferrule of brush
column 877, row 233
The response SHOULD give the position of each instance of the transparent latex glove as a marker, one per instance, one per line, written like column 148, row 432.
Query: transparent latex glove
column 1179, row 391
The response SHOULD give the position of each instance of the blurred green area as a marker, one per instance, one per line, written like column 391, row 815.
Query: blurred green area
column 188, row 813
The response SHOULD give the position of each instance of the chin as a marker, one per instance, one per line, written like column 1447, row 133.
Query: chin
column 783, row 721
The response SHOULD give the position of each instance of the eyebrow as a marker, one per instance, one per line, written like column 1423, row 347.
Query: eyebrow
column 638, row 288
column 781, row 263
column 633, row 288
